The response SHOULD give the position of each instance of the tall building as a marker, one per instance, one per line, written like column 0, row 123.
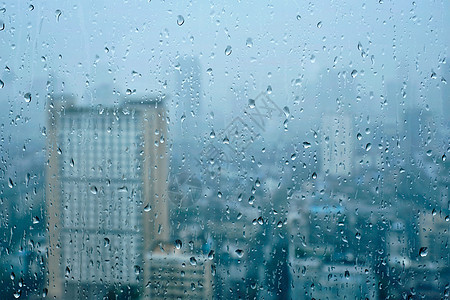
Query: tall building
column 106, row 195
column 337, row 145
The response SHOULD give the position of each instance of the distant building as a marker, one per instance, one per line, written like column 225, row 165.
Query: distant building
column 337, row 145
column 175, row 275
column 106, row 194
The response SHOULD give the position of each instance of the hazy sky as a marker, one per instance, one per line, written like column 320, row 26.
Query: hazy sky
column 284, row 44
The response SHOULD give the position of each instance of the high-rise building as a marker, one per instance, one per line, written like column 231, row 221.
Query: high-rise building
column 337, row 145
column 106, row 194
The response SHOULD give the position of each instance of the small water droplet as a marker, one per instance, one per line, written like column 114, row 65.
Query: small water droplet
column 347, row 274
column 67, row 271
column 178, row 244
column 306, row 145
column 354, row 73
column 106, row 242
column 36, row 220
column 299, row 17
column 319, row 25
column 269, row 90
column 10, row 183
column 251, row 103
column 72, row 163
column 228, row 50
column 249, row 43
column 314, row 175
column 211, row 255
column 429, row 152
column 423, row 251
column 94, row 190
column 286, row 111
column 58, row 14
column 209, row 71
column 240, row 253
column 359, row 136
column 17, row 294
column 147, row 208
column 2, row 84
column 123, row 189
column 27, row 97
column 358, row 236
column 180, row 20
column 212, row 134
column 2, row 26
column 193, row 261
column 31, row 7
column 368, row 146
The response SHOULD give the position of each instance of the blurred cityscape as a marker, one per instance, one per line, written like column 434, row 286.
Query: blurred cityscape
column 119, row 205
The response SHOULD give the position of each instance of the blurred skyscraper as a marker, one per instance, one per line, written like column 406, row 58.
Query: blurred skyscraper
column 106, row 195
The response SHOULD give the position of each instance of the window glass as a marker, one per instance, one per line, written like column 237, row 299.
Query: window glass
column 224, row 149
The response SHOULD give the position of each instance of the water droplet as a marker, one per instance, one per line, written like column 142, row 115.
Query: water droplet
column 2, row 84
column 36, row 220
column 423, row 251
column 17, row 294
column 106, row 242
column 293, row 156
column 314, row 175
column 180, row 20
column 27, row 97
column 147, row 208
column 226, row 141
column 123, row 189
column 358, row 236
column 429, row 152
column 359, row 136
column 249, row 43
column 251, row 199
column 313, row 58
column 31, row 7
column 12, row 276
column 211, row 255
column 44, row 293
column 299, row 17
column 94, row 190
column 239, row 253
column 58, row 14
column 228, row 50
column 269, row 89
column 10, row 183
column 354, row 73
column 72, row 163
column 280, row 224
column 347, row 274
column 319, row 25
column 178, row 244
column 128, row 91
column 209, row 71
column 368, row 146
column 286, row 111
column 67, row 271
column 251, row 103
column 2, row 26
column 212, row 134
column 306, row 145
column 444, row 158
column 433, row 75
column 193, row 261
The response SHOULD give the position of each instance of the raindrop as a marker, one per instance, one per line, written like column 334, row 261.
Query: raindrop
column 433, row 75
column 368, row 146
column 269, row 89
column 209, row 71
column 58, row 14
column 299, row 17
column 72, row 163
column 251, row 199
column 354, row 73
column 106, row 242
column 44, row 293
column 178, row 244
column 31, row 7
column 147, row 208
column 251, row 103
column 123, row 189
column 17, row 294
column 67, row 271
column 314, row 175
column 36, row 220
column 358, row 236
column 444, row 157
column 27, row 97
column 306, row 145
column 212, row 134
column 239, row 253
column 319, row 25
column 226, row 141
column 128, row 91
column 359, row 136
column 347, row 274
column 286, row 111
column 280, row 224
column 429, row 152
column 228, row 50
column 423, row 251
column 293, row 156
column 94, row 190
column 180, row 20
column 2, row 84
column 249, row 43
column 10, row 183
column 211, row 255
column 2, row 26
column 193, row 261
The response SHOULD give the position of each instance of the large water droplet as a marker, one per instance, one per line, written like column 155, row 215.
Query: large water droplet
column 27, row 97
column 423, row 251
column 239, row 253
column 178, row 244
column 228, row 50
column 180, row 20
column 249, row 43
column 58, row 14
